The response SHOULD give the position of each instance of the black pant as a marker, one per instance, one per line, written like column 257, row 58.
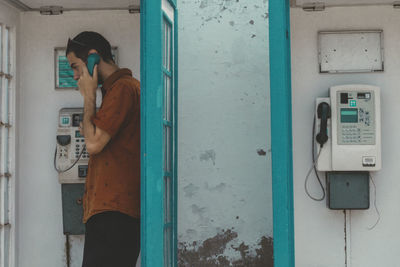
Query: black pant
column 112, row 239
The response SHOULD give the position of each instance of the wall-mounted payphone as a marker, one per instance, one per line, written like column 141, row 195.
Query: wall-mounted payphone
column 71, row 159
column 71, row 162
column 351, row 120
column 348, row 143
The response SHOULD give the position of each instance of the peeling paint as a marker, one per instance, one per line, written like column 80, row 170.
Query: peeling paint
column 261, row 152
column 219, row 188
column 210, row 252
column 197, row 210
column 190, row 190
column 208, row 155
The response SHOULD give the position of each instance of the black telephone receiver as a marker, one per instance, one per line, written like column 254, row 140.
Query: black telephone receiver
column 324, row 113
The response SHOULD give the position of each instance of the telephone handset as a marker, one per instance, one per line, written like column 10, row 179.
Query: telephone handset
column 93, row 59
column 323, row 113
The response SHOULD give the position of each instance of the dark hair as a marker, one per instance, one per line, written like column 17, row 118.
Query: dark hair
column 85, row 41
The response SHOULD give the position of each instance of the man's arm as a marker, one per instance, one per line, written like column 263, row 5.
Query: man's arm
column 95, row 138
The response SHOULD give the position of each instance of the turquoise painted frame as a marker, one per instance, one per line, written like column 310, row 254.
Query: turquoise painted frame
column 152, row 223
column 152, row 150
column 281, row 132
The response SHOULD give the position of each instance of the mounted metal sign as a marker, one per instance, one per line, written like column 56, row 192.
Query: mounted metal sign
column 350, row 51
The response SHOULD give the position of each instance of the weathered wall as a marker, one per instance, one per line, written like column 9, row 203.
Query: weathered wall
column 40, row 234
column 225, row 202
column 319, row 232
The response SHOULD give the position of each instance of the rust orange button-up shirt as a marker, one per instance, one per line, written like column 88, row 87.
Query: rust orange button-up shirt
column 113, row 180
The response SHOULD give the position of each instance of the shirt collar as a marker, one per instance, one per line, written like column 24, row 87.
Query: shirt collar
column 114, row 77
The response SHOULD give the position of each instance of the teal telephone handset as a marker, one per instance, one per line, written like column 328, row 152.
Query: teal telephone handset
column 93, row 59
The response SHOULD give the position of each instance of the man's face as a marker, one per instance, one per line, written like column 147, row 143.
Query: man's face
column 76, row 65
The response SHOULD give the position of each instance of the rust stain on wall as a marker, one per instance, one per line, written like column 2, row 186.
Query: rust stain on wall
column 211, row 252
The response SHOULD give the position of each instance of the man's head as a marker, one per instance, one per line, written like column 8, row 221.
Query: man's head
column 85, row 43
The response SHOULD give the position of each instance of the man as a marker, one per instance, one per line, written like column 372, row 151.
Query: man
column 112, row 135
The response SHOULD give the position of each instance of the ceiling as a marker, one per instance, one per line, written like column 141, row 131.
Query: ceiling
column 327, row 3
column 78, row 4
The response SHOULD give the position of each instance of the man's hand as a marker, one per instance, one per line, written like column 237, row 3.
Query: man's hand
column 88, row 84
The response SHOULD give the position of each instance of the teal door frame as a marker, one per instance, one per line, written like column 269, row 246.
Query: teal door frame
column 152, row 242
column 152, row 215
column 154, row 246
column 281, row 132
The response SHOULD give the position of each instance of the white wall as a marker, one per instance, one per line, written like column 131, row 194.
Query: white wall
column 40, row 234
column 224, row 119
column 319, row 232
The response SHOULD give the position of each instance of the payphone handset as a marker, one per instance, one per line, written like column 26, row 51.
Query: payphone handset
column 353, row 129
column 71, row 158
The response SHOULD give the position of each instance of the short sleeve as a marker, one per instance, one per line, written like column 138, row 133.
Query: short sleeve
column 115, row 107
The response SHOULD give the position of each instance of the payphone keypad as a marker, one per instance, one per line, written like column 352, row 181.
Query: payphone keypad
column 355, row 113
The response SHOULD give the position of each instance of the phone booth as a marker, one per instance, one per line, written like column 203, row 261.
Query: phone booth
column 344, row 59
column 34, row 33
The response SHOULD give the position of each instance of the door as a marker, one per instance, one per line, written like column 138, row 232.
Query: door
column 158, row 125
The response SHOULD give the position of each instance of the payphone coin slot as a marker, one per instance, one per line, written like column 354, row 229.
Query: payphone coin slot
column 344, row 98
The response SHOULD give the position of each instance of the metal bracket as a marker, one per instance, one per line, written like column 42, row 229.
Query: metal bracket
column 134, row 9
column 5, row 225
column 51, row 10
column 316, row 6
column 7, row 76
column 7, row 175
column 7, row 125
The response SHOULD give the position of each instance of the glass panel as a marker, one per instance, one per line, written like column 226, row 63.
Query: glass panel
column 165, row 97
column 7, row 51
column 2, row 84
column 168, row 45
column 165, row 45
column 5, row 100
column 168, row 96
column 4, row 198
column 4, row 118
column 167, row 199
column 1, row 47
column 167, row 247
column 167, row 149
column 224, row 155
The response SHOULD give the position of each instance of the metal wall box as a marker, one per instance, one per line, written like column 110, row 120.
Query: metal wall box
column 336, row 3
column 347, row 190
column 72, row 195
column 350, row 51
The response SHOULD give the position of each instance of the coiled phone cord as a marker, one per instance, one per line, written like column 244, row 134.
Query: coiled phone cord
column 315, row 169
column 76, row 161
